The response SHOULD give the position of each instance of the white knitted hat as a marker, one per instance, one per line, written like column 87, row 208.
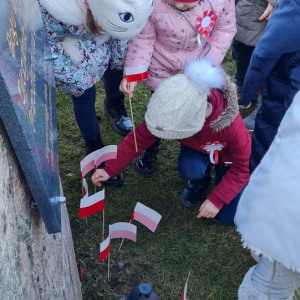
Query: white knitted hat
column 177, row 109
column 122, row 19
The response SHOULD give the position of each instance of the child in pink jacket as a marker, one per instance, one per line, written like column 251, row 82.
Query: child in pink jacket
column 177, row 32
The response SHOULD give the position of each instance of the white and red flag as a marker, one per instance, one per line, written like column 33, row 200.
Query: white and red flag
column 104, row 248
column 91, row 205
column 105, row 153
column 123, row 230
column 138, row 73
column 94, row 159
column 146, row 216
column 184, row 292
column 87, row 164
column 85, row 189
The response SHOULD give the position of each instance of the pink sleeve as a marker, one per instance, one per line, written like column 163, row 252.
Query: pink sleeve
column 140, row 48
column 238, row 174
column 222, row 35
column 127, row 151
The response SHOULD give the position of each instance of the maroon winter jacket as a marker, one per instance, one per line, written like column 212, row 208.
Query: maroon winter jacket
column 223, row 125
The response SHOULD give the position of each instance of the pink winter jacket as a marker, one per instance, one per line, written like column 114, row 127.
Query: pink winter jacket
column 168, row 41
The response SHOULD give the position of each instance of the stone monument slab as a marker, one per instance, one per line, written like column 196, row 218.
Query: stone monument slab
column 27, row 104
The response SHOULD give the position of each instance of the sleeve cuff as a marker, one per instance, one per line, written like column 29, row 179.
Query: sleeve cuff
column 215, row 201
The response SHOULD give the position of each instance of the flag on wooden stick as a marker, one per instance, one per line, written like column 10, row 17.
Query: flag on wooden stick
column 123, row 230
column 104, row 248
column 138, row 73
column 105, row 153
column 85, row 189
column 146, row 216
column 91, row 205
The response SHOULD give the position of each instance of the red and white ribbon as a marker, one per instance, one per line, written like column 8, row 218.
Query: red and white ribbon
column 205, row 25
column 213, row 150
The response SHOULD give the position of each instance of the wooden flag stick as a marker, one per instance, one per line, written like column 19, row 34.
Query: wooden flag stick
column 134, row 136
column 86, row 220
column 103, row 214
column 122, row 240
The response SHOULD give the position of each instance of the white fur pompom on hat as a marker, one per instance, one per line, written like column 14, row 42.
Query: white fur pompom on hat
column 177, row 109
column 204, row 75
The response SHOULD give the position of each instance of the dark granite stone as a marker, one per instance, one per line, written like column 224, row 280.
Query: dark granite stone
column 27, row 104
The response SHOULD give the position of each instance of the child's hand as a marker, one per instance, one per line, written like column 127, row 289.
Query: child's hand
column 99, row 175
column 267, row 13
column 207, row 210
column 127, row 87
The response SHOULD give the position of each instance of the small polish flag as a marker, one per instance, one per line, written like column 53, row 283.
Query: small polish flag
column 87, row 164
column 105, row 153
column 138, row 73
column 146, row 216
column 104, row 248
column 91, row 205
column 183, row 296
column 85, row 189
column 123, row 230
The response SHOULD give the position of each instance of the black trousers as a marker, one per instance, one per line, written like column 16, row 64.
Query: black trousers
column 241, row 53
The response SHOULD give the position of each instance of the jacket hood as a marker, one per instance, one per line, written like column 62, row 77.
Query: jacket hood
column 232, row 110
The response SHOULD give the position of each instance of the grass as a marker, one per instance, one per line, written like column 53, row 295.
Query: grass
column 181, row 243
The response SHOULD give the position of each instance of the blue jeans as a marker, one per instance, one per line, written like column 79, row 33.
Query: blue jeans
column 84, row 106
column 192, row 165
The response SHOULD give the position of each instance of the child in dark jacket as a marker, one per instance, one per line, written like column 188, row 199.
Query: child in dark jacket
column 190, row 108
column 275, row 62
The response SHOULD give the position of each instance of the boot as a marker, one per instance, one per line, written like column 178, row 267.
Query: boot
column 194, row 191
column 116, row 111
column 250, row 120
column 93, row 145
column 145, row 162
column 96, row 144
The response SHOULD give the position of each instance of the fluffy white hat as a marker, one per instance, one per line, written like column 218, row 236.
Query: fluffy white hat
column 122, row 19
column 177, row 109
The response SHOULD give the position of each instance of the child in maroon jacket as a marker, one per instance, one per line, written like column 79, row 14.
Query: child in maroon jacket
column 190, row 108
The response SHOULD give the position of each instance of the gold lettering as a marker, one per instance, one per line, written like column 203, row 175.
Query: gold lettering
column 11, row 35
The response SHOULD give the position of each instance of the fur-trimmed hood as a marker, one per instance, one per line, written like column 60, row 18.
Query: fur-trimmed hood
column 232, row 110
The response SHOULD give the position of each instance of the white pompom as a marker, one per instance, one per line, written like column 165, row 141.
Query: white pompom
column 204, row 75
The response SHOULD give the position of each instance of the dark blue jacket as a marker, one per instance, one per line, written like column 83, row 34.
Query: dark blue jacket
column 275, row 65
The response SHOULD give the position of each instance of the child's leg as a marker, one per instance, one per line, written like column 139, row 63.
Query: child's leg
column 269, row 280
column 113, row 104
column 85, row 115
column 193, row 166
column 242, row 58
column 227, row 213
column 242, row 54
column 145, row 163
